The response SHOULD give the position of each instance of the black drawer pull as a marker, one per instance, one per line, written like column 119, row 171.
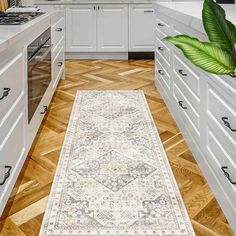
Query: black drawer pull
column 161, row 72
column 45, row 110
column 160, row 24
column 148, row 11
column 98, row 7
column 227, row 124
column 161, row 48
column 182, row 73
column 58, row 29
column 227, row 175
column 181, row 105
column 5, row 93
column 6, row 175
column 94, row 8
column 59, row 64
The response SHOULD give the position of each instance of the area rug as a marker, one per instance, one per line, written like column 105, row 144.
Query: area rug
column 113, row 176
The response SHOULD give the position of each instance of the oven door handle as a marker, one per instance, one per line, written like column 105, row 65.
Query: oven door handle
column 42, row 57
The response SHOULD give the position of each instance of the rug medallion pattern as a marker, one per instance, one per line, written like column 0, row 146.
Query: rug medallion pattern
column 113, row 176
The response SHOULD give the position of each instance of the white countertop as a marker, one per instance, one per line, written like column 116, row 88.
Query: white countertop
column 12, row 36
column 76, row 2
column 190, row 13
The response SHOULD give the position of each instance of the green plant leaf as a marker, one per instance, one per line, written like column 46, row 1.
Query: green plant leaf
column 207, row 56
column 218, row 29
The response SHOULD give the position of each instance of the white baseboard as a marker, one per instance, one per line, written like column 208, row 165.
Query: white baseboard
column 97, row 55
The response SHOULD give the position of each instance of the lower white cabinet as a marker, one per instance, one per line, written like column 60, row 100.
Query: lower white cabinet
column 97, row 28
column 81, row 28
column 203, row 106
column 112, row 28
column 141, row 28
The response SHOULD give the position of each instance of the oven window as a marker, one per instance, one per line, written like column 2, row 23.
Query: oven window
column 39, row 77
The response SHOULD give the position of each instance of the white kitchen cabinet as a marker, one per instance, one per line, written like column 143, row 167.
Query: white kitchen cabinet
column 97, row 28
column 141, row 28
column 203, row 107
column 81, row 28
column 112, row 28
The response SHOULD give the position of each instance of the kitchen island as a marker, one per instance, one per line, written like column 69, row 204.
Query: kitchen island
column 202, row 104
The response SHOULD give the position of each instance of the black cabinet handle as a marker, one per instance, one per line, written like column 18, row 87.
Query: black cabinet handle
column 59, row 64
column 182, row 73
column 161, row 72
column 227, row 175
column 45, row 110
column 5, row 93
column 160, row 24
column 227, row 124
column 6, row 175
column 161, row 48
column 148, row 11
column 58, row 29
column 98, row 7
column 181, row 105
column 94, row 8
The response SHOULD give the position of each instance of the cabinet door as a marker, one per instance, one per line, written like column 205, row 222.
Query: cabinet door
column 112, row 28
column 81, row 28
column 141, row 28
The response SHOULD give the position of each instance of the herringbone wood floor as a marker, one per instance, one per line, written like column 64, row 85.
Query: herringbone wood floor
column 24, row 211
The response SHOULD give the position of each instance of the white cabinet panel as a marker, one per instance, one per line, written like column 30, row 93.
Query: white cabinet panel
column 112, row 28
column 141, row 28
column 81, row 28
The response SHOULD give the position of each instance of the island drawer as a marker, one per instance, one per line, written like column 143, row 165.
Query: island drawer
column 12, row 154
column 58, row 31
column 163, row 77
column 164, row 27
column 190, row 114
column 222, row 163
column 187, row 76
column 163, row 49
column 12, row 87
column 221, row 114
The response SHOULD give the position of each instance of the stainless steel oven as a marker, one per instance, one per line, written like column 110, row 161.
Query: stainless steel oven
column 39, row 70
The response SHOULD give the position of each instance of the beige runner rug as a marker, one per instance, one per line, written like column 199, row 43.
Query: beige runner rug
column 113, row 176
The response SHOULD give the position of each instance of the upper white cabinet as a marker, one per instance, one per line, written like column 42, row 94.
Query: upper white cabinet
column 112, row 28
column 141, row 28
column 81, row 28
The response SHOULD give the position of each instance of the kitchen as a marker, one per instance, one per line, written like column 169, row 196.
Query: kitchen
column 105, row 50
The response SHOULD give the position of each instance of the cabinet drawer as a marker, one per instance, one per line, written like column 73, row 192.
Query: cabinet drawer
column 163, row 50
column 58, row 66
column 187, row 76
column 165, row 27
column 12, row 153
column 57, row 31
column 221, row 112
column 11, row 86
column 162, row 76
column 222, row 164
column 190, row 115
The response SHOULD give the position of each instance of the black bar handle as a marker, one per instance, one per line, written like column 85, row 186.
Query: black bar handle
column 160, row 24
column 45, row 110
column 182, row 73
column 59, row 64
column 161, row 72
column 161, row 48
column 98, row 7
column 227, row 175
column 6, row 175
column 227, row 124
column 5, row 93
column 181, row 105
column 148, row 11
column 94, row 8
column 58, row 29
